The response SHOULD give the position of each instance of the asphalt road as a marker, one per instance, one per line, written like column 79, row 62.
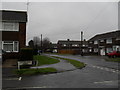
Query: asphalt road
column 97, row 74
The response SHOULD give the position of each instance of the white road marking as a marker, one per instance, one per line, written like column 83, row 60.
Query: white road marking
column 103, row 82
column 106, row 69
column 20, row 78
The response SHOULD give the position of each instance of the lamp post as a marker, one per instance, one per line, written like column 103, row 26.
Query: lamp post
column 81, row 42
column 41, row 43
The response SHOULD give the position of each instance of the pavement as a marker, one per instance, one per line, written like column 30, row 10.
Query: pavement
column 8, row 67
column 63, row 65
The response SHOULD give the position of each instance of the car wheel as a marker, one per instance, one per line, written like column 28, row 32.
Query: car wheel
column 114, row 56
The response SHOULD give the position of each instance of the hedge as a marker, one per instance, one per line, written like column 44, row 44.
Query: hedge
column 26, row 54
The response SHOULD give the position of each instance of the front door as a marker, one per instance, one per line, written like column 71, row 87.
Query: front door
column 102, row 51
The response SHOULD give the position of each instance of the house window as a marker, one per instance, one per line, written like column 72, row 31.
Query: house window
column 95, row 49
column 84, row 50
column 96, row 42
column 64, row 45
column 90, row 42
column 90, row 50
column 108, row 50
column 101, row 40
column 9, row 26
column 75, row 45
column 116, row 48
column 109, row 41
column 10, row 46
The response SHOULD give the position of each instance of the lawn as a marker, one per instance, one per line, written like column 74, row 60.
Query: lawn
column 113, row 59
column 75, row 63
column 43, row 60
column 35, row 71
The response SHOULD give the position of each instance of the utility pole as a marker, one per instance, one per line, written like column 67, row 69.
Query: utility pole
column 81, row 42
column 41, row 43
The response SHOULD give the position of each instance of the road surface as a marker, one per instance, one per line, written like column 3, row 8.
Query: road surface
column 97, row 74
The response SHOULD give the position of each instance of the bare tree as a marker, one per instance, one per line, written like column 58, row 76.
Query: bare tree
column 36, row 41
column 46, row 44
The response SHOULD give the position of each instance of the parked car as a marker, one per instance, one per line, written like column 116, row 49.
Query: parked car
column 114, row 54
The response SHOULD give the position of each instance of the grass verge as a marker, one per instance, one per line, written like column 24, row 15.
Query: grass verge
column 42, row 60
column 75, row 63
column 35, row 71
column 113, row 59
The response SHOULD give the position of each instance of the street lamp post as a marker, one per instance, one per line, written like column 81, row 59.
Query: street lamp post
column 81, row 42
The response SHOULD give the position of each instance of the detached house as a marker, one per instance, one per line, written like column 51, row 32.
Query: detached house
column 102, row 44
column 71, row 47
column 13, row 28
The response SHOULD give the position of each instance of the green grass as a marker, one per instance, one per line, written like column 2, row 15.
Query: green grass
column 43, row 60
column 75, row 63
column 113, row 59
column 35, row 71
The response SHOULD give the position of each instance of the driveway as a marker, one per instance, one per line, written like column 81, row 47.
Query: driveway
column 97, row 74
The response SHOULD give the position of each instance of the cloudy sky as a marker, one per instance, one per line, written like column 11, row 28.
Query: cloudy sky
column 65, row 20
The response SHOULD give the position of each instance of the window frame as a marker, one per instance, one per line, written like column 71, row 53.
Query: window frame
column 108, row 42
column 96, row 42
column 15, row 26
column 13, row 45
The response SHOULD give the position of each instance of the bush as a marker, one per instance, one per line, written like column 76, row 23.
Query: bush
column 26, row 54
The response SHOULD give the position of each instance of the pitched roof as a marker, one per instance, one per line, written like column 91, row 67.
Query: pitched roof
column 68, row 42
column 17, row 16
column 114, row 34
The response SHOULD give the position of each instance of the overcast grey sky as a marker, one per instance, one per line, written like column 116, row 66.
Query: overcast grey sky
column 65, row 20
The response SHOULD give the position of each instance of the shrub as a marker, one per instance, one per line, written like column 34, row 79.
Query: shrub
column 26, row 54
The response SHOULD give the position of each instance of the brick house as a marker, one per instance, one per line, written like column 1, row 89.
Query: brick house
column 102, row 44
column 71, row 47
column 13, row 28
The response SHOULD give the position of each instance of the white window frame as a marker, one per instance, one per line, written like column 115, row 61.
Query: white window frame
column 13, row 44
column 101, row 40
column 116, row 48
column 64, row 45
column 75, row 45
column 15, row 26
column 90, row 42
column 109, row 41
column 95, row 42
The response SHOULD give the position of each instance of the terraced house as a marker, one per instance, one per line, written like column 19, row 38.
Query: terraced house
column 102, row 44
column 72, row 47
column 13, row 28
